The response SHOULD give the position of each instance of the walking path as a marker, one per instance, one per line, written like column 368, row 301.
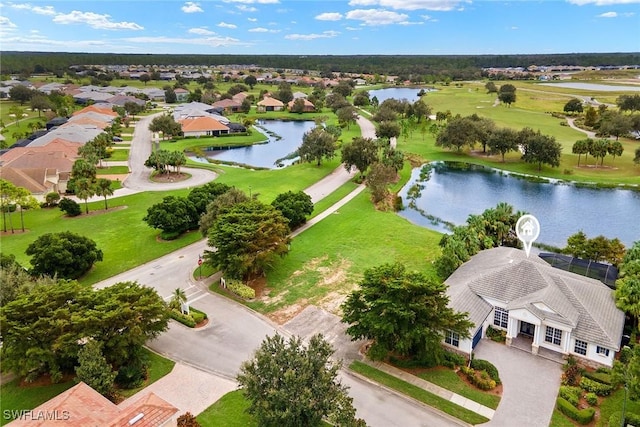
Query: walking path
column 432, row 388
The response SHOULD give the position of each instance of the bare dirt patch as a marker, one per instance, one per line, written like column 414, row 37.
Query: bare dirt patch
column 170, row 177
column 287, row 313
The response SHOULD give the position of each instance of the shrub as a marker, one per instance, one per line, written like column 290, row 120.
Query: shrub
column 484, row 365
column 600, row 377
column 70, row 207
column 570, row 394
column 451, row 359
column 131, row 375
column 185, row 319
column 591, row 398
column 595, row 387
column 240, row 289
column 197, row 315
column 480, row 379
column 51, row 199
column 584, row 416
column 169, row 235
column 496, row 335
column 571, row 372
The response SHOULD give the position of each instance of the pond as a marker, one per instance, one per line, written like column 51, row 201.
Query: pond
column 399, row 93
column 453, row 191
column 595, row 87
column 283, row 139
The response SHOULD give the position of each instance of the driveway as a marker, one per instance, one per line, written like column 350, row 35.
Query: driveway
column 530, row 385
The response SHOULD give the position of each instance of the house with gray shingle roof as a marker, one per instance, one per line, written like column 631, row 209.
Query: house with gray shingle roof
column 533, row 301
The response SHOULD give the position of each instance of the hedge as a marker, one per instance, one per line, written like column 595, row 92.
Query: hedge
column 240, row 289
column 484, row 365
column 197, row 315
column 584, row 416
column 483, row 382
column 629, row 418
column 182, row 318
column 570, row 394
column 600, row 377
column 592, row 399
column 595, row 387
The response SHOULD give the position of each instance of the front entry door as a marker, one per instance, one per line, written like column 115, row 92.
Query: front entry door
column 528, row 329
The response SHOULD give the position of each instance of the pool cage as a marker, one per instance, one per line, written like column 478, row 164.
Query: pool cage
column 606, row 273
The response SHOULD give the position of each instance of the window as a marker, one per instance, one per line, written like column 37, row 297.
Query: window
column 603, row 351
column 452, row 338
column 553, row 335
column 580, row 348
column 500, row 317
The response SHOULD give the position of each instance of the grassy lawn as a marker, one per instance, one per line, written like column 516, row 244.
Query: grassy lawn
column 113, row 170
column 328, row 259
column 119, row 155
column 446, row 378
column 229, row 411
column 418, row 393
column 558, row 419
column 614, row 403
column 16, row 397
column 332, row 198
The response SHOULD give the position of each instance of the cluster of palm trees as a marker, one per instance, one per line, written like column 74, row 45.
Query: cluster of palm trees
column 12, row 198
column 598, row 148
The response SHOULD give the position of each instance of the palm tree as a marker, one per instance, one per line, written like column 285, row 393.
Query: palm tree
column 103, row 188
column 84, row 190
column 177, row 299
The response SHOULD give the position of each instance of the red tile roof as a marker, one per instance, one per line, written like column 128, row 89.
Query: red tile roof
column 201, row 124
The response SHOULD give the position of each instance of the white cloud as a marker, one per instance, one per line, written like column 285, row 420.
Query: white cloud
column 243, row 8
column 252, row 19
column 201, row 31
column 94, row 20
column 5, row 23
column 226, row 25
column 40, row 10
column 329, row 16
column 253, row 1
column 439, row 5
column 411, row 23
column 191, row 7
column 204, row 41
column 353, row 28
column 262, row 30
column 602, row 2
column 514, row 28
column 323, row 35
column 373, row 17
column 607, row 15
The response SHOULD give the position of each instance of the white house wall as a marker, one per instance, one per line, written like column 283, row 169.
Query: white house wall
column 592, row 353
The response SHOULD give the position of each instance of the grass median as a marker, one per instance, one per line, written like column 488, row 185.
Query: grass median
column 418, row 393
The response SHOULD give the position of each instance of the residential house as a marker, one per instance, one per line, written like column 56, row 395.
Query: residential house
column 307, row 108
column 81, row 133
column 82, row 406
column 120, row 100
column 100, row 109
column 182, row 95
column 240, row 96
column 302, row 95
column 270, row 104
column 537, row 306
column 228, row 105
column 197, row 109
column 203, row 126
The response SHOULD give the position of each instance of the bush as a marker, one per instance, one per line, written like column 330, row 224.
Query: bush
column 584, row 416
column 131, row 375
column 197, row 315
column 51, row 199
column 480, row 379
column 570, row 394
column 571, row 373
column 591, row 398
column 484, row 365
column 595, row 387
column 496, row 335
column 185, row 319
column 601, row 377
column 70, row 207
column 240, row 289
column 170, row 235
column 451, row 360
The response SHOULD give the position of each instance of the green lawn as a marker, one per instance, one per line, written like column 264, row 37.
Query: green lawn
column 329, row 258
column 113, row 170
column 229, row 411
column 614, row 403
column 418, row 393
column 118, row 155
column 446, row 378
column 558, row 419
column 16, row 397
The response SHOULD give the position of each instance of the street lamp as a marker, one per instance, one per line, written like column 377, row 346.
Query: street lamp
column 200, row 266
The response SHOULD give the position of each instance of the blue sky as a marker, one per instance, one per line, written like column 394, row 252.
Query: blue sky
column 309, row 27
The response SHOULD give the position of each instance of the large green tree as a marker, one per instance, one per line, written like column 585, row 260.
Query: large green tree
column 295, row 207
column 403, row 312
column 596, row 249
column 219, row 205
column 289, row 384
column 174, row 215
column 615, row 123
column 502, row 141
column 94, row 370
column 316, row 145
column 361, row 153
column 248, row 238
column 574, row 105
column 64, row 255
column 542, row 149
column 459, row 132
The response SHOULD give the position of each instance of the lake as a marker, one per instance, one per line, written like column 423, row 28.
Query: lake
column 408, row 93
column 594, row 86
column 451, row 194
column 282, row 139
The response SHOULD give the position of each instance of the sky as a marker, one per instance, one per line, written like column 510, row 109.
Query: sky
column 310, row 27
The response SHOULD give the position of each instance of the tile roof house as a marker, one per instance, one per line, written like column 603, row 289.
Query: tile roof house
column 533, row 301
column 270, row 104
column 96, row 109
column 203, row 126
column 308, row 105
column 82, row 406
column 81, row 133
column 182, row 95
column 229, row 105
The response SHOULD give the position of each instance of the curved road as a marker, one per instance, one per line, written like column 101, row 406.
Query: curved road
column 234, row 331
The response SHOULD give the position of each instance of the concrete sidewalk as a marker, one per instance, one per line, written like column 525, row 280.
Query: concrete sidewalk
column 432, row 388
column 187, row 388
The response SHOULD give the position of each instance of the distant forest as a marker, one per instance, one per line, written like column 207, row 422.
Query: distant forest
column 455, row 66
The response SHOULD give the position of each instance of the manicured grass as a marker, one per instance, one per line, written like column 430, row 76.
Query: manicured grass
column 418, row 393
column 446, row 378
column 332, row 198
column 558, row 419
column 113, row 170
column 331, row 256
column 118, row 155
column 159, row 366
column 229, row 411
column 614, row 403
column 15, row 397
